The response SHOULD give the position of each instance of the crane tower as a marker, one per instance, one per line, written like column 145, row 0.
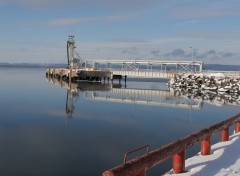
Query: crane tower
column 70, row 51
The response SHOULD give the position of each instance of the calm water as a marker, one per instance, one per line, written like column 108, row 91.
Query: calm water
column 48, row 129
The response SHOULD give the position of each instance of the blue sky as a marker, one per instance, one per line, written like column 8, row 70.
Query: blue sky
column 36, row 31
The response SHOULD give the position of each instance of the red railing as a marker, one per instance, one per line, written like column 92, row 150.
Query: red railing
column 176, row 150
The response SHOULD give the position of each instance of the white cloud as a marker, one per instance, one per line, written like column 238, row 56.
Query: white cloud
column 74, row 21
column 190, row 22
column 116, row 4
column 117, row 50
column 213, row 34
column 202, row 14
column 204, row 9
column 70, row 21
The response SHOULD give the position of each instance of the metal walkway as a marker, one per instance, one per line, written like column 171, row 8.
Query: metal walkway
column 149, row 68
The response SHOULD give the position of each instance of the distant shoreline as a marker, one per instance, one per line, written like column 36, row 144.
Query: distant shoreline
column 218, row 67
column 30, row 65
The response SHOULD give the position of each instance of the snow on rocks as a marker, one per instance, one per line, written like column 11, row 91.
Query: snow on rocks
column 213, row 82
column 217, row 90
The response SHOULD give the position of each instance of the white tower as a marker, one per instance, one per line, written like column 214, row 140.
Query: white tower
column 70, row 51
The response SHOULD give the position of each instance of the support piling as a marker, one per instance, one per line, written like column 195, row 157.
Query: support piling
column 179, row 162
column 206, row 146
column 225, row 134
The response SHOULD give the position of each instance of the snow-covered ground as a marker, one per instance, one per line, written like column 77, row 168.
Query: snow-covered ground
column 224, row 160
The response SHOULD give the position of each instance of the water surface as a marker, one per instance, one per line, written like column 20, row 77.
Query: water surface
column 47, row 128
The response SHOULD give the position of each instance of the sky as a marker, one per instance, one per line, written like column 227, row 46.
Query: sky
column 34, row 31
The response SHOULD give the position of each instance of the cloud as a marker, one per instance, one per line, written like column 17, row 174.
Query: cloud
column 155, row 52
column 206, row 54
column 227, row 54
column 211, row 52
column 176, row 53
column 204, row 9
column 70, row 21
column 74, row 21
column 50, row 4
column 128, row 40
column 201, row 14
column 189, row 22
column 212, row 34
column 46, row 4
column 131, row 51
column 214, row 54
column 146, row 49
column 213, row 57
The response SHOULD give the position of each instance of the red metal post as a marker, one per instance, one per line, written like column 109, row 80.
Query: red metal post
column 225, row 134
column 206, row 146
column 179, row 162
column 237, row 127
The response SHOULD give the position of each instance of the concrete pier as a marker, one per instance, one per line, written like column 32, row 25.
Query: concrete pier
column 79, row 74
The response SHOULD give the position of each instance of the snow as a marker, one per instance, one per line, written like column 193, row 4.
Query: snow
column 217, row 75
column 224, row 160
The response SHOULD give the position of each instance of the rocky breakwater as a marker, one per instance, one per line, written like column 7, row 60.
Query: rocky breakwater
column 213, row 82
column 214, row 88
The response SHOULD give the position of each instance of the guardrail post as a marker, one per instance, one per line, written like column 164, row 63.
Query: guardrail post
column 225, row 134
column 179, row 162
column 237, row 127
column 206, row 146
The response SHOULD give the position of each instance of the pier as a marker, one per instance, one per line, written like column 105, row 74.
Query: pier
column 135, row 69
column 102, row 70
column 149, row 68
column 79, row 74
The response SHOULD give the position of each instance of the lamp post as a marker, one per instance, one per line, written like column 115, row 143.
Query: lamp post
column 192, row 56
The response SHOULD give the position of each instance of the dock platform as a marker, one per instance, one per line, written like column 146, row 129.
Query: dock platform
column 82, row 74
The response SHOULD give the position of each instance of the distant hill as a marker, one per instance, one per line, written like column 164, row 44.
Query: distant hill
column 221, row 67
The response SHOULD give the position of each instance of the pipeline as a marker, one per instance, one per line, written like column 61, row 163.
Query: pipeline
column 176, row 150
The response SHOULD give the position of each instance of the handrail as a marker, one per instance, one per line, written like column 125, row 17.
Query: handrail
column 159, row 155
column 135, row 150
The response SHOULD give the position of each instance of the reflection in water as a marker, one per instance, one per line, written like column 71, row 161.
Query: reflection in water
column 211, row 97
column 178, row 98
column 98, row 91
column 146, row 97
column 75, row 89
column 69, row 103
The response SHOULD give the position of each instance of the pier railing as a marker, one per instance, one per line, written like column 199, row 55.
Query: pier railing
column 176, row 150
column 145, row 73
